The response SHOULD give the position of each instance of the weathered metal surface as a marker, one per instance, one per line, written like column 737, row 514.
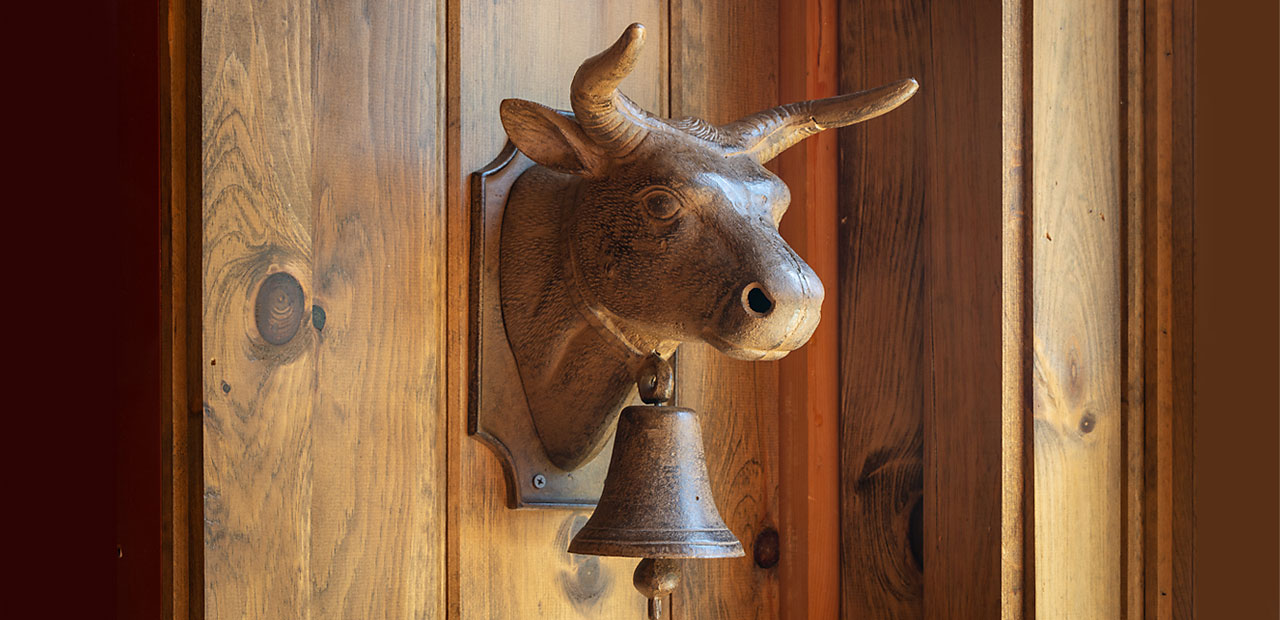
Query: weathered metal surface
column 498, row 413
column 657, row 499
column 655, row 380
column 655, row 579
column 631, row 235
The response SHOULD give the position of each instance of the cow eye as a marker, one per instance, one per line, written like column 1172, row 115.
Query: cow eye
column 660, row 203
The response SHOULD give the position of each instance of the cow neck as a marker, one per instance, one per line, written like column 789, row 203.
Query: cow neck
column 604, row 320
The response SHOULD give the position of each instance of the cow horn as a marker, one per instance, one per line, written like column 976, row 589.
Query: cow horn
column 608, row 117
column 766, row 134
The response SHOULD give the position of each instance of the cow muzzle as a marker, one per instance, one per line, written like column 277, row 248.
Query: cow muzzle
column 766, row 318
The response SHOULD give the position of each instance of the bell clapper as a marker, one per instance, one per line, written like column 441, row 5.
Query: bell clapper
column 655, row 578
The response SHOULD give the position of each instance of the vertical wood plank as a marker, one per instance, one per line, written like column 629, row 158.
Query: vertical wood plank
column 962, row 422
column 921, row 287
column 1182, row 171
column 1167, row 207
column 883, row 371
column 377, row 425
column 181, row 367
column 1134, row 282
column 505, row 563
column 1077, row 307
column 1017, row 568
column 724, row 65
column 1158, row 356
column 257, row 396
column 323, row 401
column 808, row 379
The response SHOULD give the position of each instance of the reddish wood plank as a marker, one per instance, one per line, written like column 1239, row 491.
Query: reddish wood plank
column 808, row 379
column 962, row 421
column 1017, row 567
column 180, row 233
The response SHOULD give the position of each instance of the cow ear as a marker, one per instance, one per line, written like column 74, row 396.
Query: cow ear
column 551, row 137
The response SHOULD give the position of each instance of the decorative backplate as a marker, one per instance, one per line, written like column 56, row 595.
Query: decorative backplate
column 498, row 412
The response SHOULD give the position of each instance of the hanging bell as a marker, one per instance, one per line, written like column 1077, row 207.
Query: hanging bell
column 656, row 501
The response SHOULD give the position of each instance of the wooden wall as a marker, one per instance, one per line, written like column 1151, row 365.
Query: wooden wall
column 1014, row 347
column 336, row 144
column 324, row 439
column 990, row 412
column 919, row 286
column 1109, row 345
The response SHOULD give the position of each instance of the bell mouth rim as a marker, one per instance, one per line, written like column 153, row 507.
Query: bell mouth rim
column 666, row 550
column 712, row 542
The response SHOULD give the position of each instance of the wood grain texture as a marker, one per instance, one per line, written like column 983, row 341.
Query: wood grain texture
column 1133, row 282
column 323, row 455
column 963, row 443
column 920, row 338
column 257, row 398
column 1158, row 354
column 1167, row 224
column 377, row 481
column 1182, row 175
column 1078, row 302
column 882, row 294
column 513, row 563
column 180, row 233
column 1017, row 566
column 724, row 65
column 809, row 379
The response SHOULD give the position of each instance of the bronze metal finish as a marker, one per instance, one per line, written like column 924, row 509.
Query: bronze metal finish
column 655, row 381
column 630, row 235
column 498, row 412
column 657, row 499
column 655, row 578
column 646, row 510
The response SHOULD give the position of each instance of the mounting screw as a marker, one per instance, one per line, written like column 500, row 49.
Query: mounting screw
column 539, row 481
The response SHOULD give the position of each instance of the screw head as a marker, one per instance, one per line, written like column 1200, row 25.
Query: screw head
column 539, row 481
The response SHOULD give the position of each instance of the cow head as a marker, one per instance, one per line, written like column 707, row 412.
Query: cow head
column 635, row 234
column 674, row 226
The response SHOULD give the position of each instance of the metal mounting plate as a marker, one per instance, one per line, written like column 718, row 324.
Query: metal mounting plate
column 498, row 413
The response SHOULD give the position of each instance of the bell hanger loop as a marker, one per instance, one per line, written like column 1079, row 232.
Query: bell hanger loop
column 655, row 380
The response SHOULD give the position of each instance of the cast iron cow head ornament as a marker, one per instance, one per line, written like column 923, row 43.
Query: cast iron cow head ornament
column 634, row 234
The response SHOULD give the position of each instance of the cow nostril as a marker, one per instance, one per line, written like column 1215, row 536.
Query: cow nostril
column 757, row 301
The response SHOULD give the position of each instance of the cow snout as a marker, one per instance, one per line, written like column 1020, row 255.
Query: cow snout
column 770, row 317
